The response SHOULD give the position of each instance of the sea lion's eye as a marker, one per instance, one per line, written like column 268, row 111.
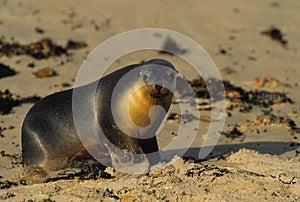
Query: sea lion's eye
column 172, row 76
column 145, row 77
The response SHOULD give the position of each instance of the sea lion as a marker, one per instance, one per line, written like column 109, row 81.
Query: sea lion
column 50, row 139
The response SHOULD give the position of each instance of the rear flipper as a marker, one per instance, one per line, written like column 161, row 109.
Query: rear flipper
column 86, row 170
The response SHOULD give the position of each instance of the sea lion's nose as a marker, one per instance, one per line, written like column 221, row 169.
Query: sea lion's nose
column 158, row 87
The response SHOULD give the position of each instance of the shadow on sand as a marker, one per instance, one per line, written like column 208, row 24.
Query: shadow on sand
column 273, row 148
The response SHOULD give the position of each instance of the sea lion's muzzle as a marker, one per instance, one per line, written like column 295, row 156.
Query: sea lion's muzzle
column 158, row 91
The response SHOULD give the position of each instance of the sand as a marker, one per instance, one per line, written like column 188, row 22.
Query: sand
column 262, row 164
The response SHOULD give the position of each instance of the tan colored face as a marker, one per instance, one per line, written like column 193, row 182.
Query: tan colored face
column 158, row 85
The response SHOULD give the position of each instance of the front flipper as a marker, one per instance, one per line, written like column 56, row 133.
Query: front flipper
column 127, row 161
column 150, row 148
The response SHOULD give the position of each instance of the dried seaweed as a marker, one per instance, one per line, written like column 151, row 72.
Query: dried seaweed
column 7, row 184
column 8, row 101
column 6, row 71
column 234, row 133
column 261, row 98
column 275, row 34
column 41, row 49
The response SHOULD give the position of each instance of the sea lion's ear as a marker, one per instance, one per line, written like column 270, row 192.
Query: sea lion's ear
column 173, row 74
column 176, row 71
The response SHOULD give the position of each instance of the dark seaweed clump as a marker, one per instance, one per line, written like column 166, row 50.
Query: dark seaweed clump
column 41, row 49
column 75, row 45
column 8, row 101
column 7, row 184
column 234, row 133
column 1, row 135
column 200, row 88
column 276, row 119
column 275, row 34
column 6, row 71
column 260, row 98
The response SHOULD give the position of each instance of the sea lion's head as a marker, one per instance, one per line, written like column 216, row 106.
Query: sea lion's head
column 159, row 78
column 155, row 87
column 146, row 88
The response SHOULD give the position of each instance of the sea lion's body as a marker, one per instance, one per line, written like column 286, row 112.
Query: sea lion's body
column 50, row 140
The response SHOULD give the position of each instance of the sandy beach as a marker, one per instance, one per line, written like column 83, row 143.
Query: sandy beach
column 255, row 47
